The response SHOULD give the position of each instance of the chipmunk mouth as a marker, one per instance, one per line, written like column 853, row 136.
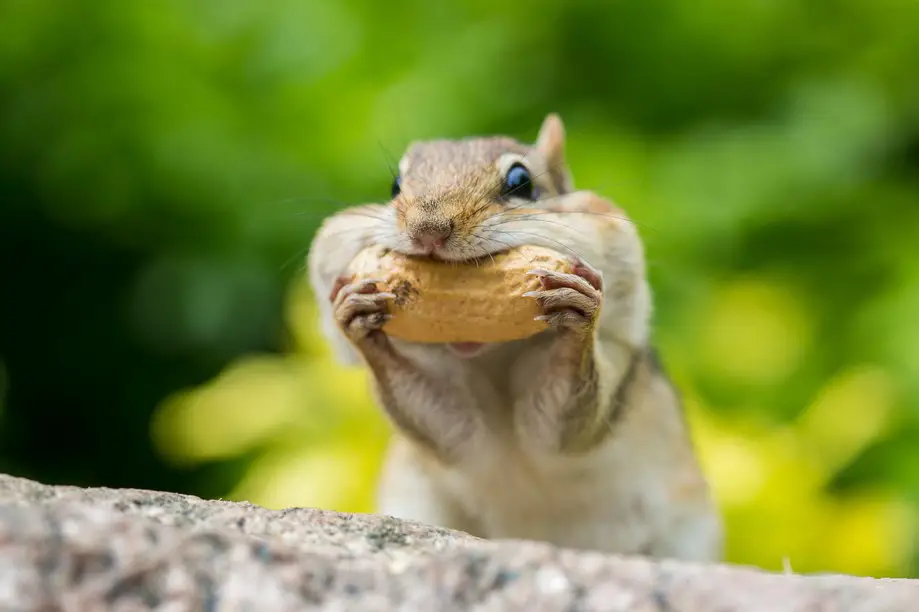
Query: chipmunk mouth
column 456, row 258
column 470, row 259
column 467, row 350
column 452, row 255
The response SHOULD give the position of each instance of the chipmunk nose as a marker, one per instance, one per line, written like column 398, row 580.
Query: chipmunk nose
column 431, row 236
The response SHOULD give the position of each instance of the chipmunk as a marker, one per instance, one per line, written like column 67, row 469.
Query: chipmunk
column 574, row 436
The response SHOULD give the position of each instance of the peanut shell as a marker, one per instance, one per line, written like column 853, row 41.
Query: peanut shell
column 460, row 302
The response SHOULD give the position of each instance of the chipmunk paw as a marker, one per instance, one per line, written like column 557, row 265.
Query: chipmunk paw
column 569, row 301
column 361, row 309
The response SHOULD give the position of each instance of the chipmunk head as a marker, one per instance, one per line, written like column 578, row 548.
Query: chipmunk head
column 447, row 189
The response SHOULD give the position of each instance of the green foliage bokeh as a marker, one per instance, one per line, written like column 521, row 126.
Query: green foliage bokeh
column 163, row 166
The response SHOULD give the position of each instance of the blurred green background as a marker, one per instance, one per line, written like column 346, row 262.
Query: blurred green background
column 163, row 166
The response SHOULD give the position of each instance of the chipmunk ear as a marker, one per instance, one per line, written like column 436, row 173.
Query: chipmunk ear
column 551, row 144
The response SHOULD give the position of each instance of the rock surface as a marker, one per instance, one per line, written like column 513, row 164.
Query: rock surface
column 71, row 549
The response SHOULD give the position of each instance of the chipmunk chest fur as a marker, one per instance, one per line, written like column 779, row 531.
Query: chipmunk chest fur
column 505, row 490
column 575, row 503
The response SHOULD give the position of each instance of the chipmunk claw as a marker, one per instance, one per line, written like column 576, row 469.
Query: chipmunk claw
column 538, row 272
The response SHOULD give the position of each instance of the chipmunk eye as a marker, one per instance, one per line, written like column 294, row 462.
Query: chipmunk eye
column 396, row 186
column 517, row 183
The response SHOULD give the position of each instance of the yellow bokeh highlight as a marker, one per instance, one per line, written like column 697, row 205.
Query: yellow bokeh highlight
column 755, row 332
column 226, row 417
column 851, row 411
column 336, row 478
column 769, row 482
column 319, row 440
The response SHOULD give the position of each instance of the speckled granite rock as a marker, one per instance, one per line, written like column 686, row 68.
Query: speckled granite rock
column 70, row 549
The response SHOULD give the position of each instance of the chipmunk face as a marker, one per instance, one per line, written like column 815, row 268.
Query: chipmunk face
column 452, row 196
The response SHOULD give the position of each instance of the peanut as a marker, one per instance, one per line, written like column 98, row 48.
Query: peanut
column 477, row 301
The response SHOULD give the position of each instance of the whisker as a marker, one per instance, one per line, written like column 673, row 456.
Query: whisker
column 629, row 220
column 300, row 254
column 481, row 248
column 472, row 249
column 301, row 199
column 346, row 231
column 620, row 217
column 527, row 218
column 371, row 235
column 329, row 205
column 493, row 239
column 382, row 219
column 492, row 257
column 389, row 159
column 561, row 244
